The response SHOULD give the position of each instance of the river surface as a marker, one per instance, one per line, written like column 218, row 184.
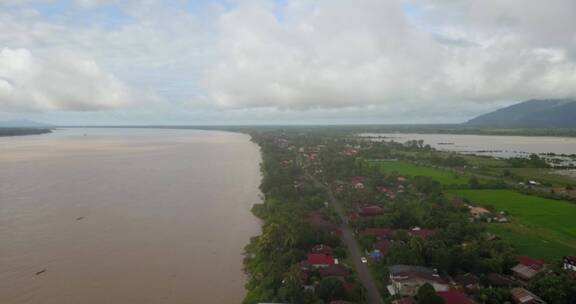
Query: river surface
column 498, row 146
column 122, row 216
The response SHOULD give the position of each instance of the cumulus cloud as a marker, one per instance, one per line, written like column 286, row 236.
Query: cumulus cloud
column 56, row 83
column 399, row 59
column 344, row 53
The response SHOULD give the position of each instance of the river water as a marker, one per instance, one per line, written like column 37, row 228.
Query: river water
column 126, row 216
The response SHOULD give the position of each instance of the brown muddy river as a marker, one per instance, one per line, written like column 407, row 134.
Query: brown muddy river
column 126, row 216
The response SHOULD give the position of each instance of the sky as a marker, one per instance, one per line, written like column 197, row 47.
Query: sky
column 200, row 62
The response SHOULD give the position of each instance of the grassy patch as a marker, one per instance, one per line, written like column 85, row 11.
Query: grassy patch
column 442, row 176
column 540, row 227
column 543, row 175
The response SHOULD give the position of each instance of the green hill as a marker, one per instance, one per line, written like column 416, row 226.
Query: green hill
column 536, row 113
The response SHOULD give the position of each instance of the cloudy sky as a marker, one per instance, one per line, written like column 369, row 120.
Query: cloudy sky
column 282, row 61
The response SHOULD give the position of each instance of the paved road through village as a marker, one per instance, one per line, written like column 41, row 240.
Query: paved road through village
column 372, row 293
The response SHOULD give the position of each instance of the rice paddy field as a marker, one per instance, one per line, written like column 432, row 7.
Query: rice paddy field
column 442, row 176
column 539, row 227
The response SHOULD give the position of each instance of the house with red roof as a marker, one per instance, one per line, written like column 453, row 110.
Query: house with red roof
column 349, row 152
column 319, row 260
column 370, row 210
column 421, row 232
column 527, row 268
column 337, row 271
column 318, row 219
column 382, row 246
column 478, row 211
column 381, row 233
column 454, row 297
column 358, row 182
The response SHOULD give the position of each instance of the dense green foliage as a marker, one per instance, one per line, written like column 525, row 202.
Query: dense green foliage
column 272, row 258
column 557, row 288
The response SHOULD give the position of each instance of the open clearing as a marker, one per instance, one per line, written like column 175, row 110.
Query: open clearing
column 540, row 227
column 442, row 176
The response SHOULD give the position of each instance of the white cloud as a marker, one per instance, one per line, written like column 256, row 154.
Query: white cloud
column 420, row 58
column 344, row 53
column 57, row 83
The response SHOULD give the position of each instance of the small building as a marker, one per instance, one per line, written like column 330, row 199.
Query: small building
column 370, row 210
column 523, row 296
column 478, row 211
column 421, row 232
column 468, row 281
column 319, row 260
column 358, row 182
column 382, row 246
column 321, row 248
column 405, row 280
column 318, row 219
column 569, row 263
column 499, row 280
column 454, row 297
column 381, row 233
column 336, row 271
column 527, row 268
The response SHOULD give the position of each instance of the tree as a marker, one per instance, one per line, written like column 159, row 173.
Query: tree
column 331, row 289
column 494, row 295
column 427, row 295
column 474, row 183
column 557, row 288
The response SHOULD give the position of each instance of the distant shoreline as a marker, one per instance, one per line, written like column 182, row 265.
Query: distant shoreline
column 6, row 132
column 366, row 128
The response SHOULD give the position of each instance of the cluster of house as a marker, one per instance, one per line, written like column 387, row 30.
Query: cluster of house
column 481, row 214
column 321, row 261
column 283, row 143
column 349, row 151
column 383, row 238
column 405, row 280
column 362, row 210
column 320, row 220
column 358, row 182
column 392, row 191
column 311, row 153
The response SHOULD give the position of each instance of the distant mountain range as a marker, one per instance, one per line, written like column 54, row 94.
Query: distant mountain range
column 22, row 123
column 536, row 113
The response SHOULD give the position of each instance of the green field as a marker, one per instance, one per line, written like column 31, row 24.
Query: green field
column 442, row 176
column 544, row 176
column 540, row 227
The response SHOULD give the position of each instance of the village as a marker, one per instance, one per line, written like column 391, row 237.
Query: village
column 417, row 244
